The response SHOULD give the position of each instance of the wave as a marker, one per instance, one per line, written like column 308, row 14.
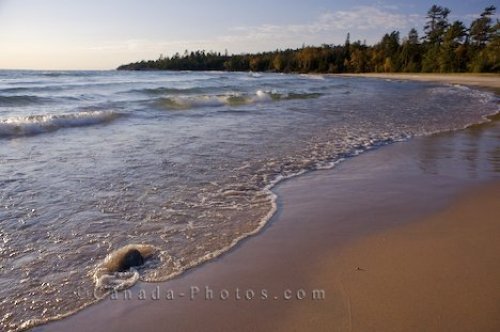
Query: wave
column 166, row 91
column 313, row 76
column 21, row 100
column 37, row 124
column 254, row 75
column 24, row 89
column 198, row 101
column 69, row 73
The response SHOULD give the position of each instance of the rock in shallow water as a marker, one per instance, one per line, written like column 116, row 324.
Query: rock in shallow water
column 132, row 258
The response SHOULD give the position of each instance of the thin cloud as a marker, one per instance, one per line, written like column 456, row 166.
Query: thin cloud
column 366, row 18
column 364, row 22
column 367, row 22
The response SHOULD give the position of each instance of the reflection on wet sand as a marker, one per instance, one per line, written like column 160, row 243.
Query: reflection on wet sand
column 478, row 148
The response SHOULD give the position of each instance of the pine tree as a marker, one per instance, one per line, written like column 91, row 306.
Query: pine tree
column 480, row 30
column 435, row 27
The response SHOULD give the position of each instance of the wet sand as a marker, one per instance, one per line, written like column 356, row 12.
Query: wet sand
column 437, row 275
column 403, row 238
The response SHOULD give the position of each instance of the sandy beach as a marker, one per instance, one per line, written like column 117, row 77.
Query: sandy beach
column 438, row 275
column 403, row 238
column 486, row 81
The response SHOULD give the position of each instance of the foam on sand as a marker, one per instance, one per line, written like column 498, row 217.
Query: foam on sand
column 107, row 275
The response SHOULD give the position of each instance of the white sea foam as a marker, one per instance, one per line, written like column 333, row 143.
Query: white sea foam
column 231, row 99
column 199, row 101
column 313, row 76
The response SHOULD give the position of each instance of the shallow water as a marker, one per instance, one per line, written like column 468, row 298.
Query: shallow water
column 91, row 162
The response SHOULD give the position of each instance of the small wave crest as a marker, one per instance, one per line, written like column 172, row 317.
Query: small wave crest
column 165, row 90
column 233, row 100
column 313, row 76
column 37, row 124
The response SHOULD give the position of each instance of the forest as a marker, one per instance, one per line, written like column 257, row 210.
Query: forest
column 445, row 47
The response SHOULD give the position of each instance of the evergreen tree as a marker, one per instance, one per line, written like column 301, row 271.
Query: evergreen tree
column 485, row 46
column 480, row 30
column 435, row 27
column 451, row 57
column 444, row 48
column 411, row 54
column 437, row 23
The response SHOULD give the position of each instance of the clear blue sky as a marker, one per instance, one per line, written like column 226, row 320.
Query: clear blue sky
column 102, row 34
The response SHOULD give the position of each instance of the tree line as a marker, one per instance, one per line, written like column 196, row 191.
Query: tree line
column 445, row 47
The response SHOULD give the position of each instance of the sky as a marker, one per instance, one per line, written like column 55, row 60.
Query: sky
column 102, row 34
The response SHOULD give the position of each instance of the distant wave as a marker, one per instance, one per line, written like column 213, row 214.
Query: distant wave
column 31, row 89
column 254, row 75
column 189, row 102
column 21, row 100
column 165, row 91
column 69, row 73
column 37, row 124
column 313, row 76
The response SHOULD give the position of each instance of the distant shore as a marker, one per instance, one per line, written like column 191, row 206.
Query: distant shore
column 487, row 81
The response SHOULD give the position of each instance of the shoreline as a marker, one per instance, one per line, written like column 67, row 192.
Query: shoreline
column 490, row 82
column 291, row 252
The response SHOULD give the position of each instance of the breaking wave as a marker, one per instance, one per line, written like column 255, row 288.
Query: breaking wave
column 233, row 100
column 165, row 90
column 38, row 124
